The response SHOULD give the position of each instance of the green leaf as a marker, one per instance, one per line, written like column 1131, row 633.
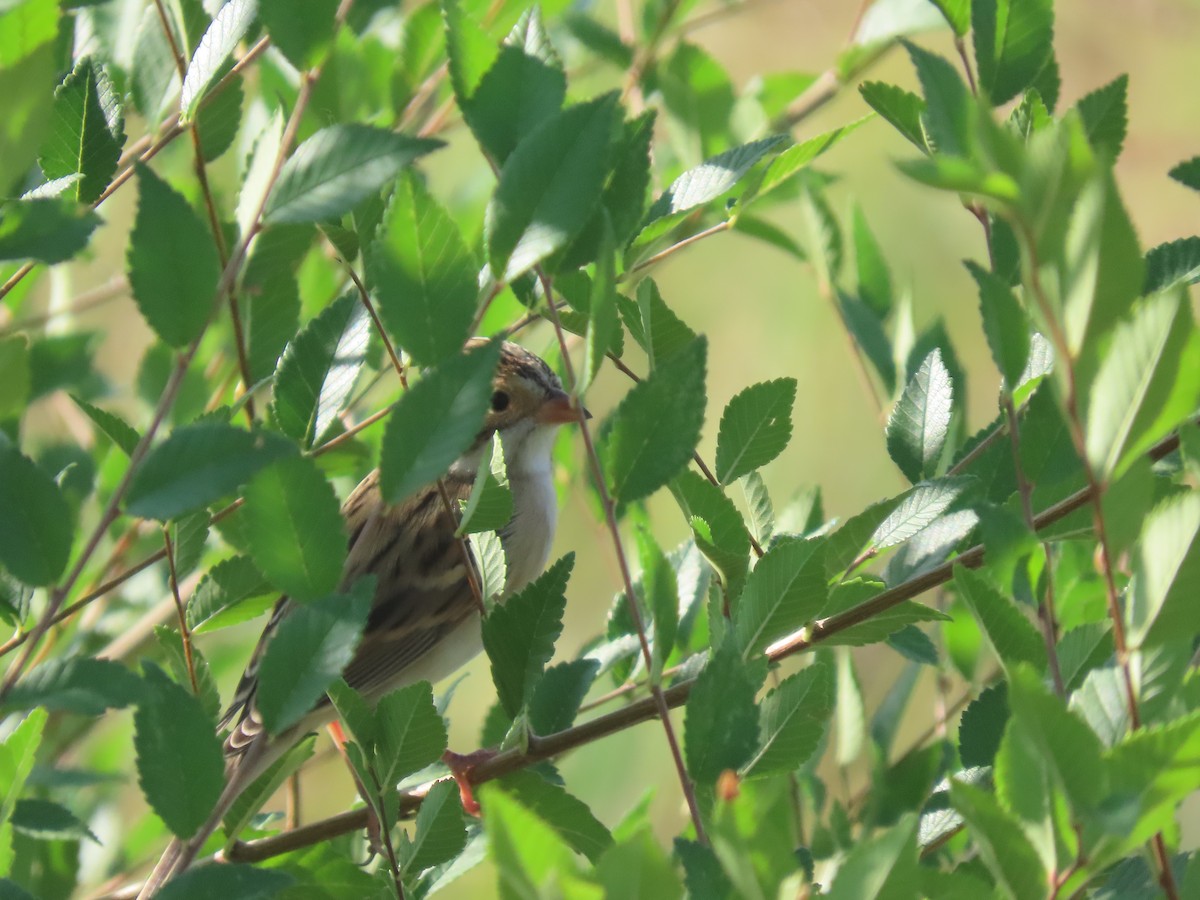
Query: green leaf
column 1012, row 44
column 717, row 526
column 219, row 598
column 226, row 880
column 318, row 369
column 697, row 93
column 492, row 563
column 798, row 156
column 874, row 280
column 526, row 851
column 903, row 109
column 423, row 275
column 519, row 635
column 48, row 231
column 1069, row 747
column 949, row 108
column 173, row 266
column 15, row 375
column 1102, row 268
column 1145, row 385
column 312, row 645
column 1004, row 324
column 820, row 235
column 1014, row 638
column 1155, row 769
column 712, row 178
column 439, row 833
column 957, row 13
column 761, row 518
column 228, row 28
column 198, row 464
column 637, row 868
column 785, row 591
column 654, row 430
column 78, row 685
column 271, row 308
column 755, row 428
column 337, row 167
column 920, row 421
column 917, row 510
column 522, row 88
column 1176, row 262
column 490, row 505
column 982, row 727
column 435, row 421
column 714, row 743
column 660, row 596
column 45, row 820
column 794, row 717
column 36, row 529
column 1160, row 603
column 219, row 121
column 18, row 751
column 883, row 865
column 181, row 768
column 181, row 667
column 880, row 626
column 566, row 814
column 559, row 694
column 1003, row 845
column 303, row 38
column 411, row 734
column 116, row 428
column 657, row 329
column 87, row 133
column 868, row 332
column 1104, row 113
column 604, row 326
column 549, row 186
column 295, row 531
column 1187, row 173
column 470, row 49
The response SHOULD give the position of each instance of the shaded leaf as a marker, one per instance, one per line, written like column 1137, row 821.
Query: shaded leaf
column 549, row 186
column 198, row 464
column 181, row 768
column 435, row 421
column 36, row 529
column 294, row 528
column 793, row 721
column 423, row 275
column 312, row 645
column 228, row 27
column 785, row 591
column 48, row 230
column 715, row 743
column 519, row 635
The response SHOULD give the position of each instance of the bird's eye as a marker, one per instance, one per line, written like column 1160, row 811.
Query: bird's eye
column 499, row 401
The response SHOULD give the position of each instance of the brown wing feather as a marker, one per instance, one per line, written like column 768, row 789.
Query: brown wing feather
column 421, row 593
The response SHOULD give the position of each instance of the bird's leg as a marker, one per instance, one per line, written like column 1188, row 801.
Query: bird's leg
column 461, row 765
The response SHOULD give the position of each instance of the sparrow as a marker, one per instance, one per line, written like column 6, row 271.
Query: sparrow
column 424, row 622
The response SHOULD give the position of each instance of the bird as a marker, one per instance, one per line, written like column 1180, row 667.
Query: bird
column 424, row 621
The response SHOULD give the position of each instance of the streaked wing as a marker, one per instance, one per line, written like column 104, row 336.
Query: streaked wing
column 421, row 593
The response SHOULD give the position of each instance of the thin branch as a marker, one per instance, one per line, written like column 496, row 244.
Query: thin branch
column 675, row 248
column 657, row 695
column 1047, row 617
column 185, row 633
column 97, row 296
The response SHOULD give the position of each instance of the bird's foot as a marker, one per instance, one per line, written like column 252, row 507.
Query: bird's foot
column 461, row 765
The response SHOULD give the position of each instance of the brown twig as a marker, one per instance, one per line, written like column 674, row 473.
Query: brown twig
column 635, row 614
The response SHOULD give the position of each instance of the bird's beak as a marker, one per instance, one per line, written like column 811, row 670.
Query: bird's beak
column 558, row 410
